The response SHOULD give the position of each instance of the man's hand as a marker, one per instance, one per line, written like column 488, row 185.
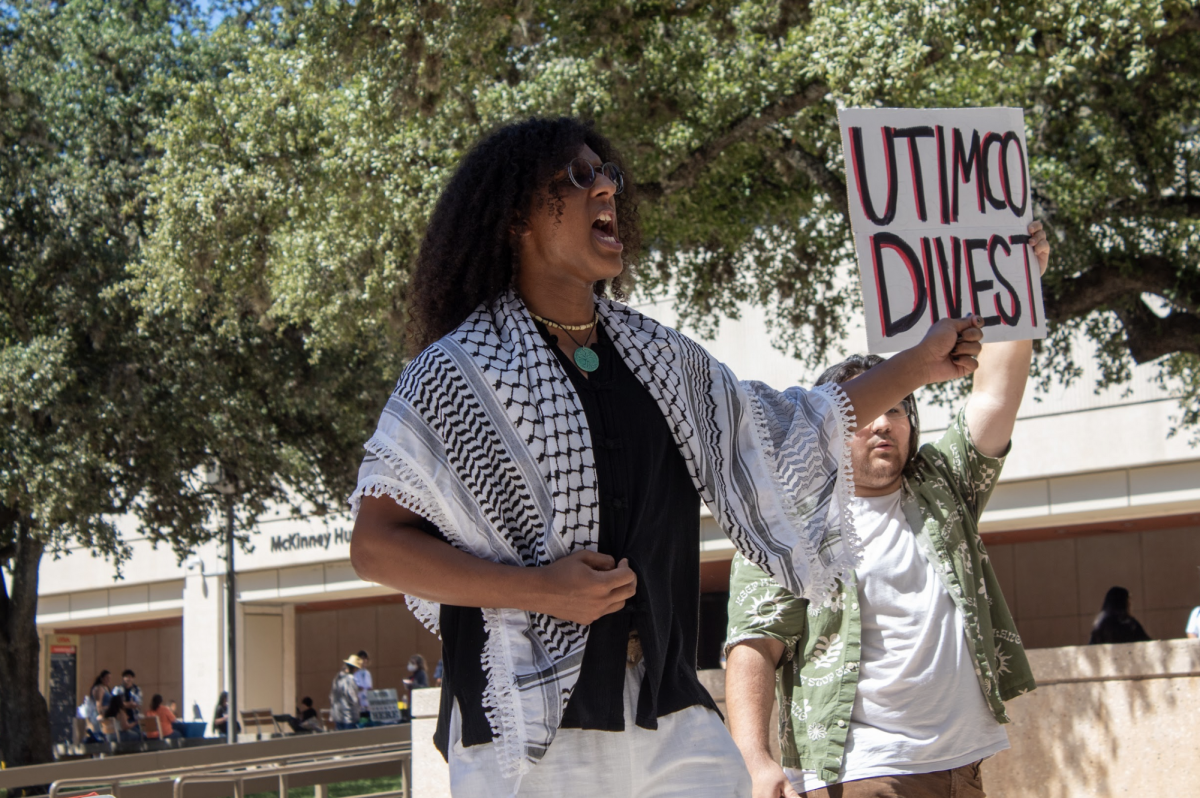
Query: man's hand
column 946, row 352
column 1041, row 247
column 584, row 586
column 949, row 348
column 769, row 780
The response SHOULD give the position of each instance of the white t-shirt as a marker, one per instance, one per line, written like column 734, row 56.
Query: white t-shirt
column 918, row 707
column 1193, row 624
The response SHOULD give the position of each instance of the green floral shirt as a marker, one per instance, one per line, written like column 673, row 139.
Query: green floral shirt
column 818, row 677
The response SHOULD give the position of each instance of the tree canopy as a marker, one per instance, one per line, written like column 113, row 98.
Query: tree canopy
column 295, row 188
column 106, row 409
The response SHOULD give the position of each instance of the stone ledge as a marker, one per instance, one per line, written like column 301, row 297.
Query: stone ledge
column 426, row 702
column 1156, row 659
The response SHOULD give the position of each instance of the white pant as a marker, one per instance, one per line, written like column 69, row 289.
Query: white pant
column 691, row 754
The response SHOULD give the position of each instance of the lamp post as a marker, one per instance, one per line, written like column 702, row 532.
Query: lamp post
column 216, row 478
column 231, row 623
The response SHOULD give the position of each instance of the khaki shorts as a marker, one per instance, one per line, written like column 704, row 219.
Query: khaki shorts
column 963, row 782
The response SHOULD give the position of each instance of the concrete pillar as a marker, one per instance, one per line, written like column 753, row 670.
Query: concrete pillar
column 430, row 773
column 289, row 659
column 203, row 641
column 241, row 659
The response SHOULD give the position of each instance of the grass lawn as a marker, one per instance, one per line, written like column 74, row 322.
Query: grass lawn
column 341, row 790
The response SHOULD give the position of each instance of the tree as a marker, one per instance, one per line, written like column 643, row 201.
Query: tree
column 109, row 406
column 296, row 188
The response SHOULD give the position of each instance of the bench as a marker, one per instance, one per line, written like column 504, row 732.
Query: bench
column 259, row 718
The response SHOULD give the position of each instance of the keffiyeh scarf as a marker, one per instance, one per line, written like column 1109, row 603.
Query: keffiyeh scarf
column 485, row 438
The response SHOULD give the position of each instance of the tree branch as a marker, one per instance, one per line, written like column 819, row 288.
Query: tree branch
column 1186, row 205
column 814, row 168
column 1150, row 337
column 1106, row 285
column 685, row 174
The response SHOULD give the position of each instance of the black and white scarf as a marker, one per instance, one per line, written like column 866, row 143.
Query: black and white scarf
column 485, row 437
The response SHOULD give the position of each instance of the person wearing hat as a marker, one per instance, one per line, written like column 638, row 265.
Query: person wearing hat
column 343, row 695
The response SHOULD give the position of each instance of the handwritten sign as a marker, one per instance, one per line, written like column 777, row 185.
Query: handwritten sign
column 940, row 205
column 383, row 706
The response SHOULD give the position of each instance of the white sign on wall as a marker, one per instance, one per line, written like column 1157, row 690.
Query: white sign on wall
column 940, row 205
column 382, row 704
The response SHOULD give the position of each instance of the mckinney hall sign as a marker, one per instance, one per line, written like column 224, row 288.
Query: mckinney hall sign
column 298, row 542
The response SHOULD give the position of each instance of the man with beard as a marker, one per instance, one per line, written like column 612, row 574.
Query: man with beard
column 894, row 684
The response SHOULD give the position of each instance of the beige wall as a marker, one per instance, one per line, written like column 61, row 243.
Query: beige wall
column 1055, row 587
column 1104, row 721
column 155, row 654
column 386, row 630
column 263, row 662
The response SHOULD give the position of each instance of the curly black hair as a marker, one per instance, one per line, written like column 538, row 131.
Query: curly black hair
column 468, row 256
column 854, row 365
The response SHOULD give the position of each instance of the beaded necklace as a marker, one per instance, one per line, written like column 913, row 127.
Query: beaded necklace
column 585, row 357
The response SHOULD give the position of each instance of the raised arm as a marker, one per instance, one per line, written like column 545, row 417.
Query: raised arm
column 1000, row 379
column 946, row 352
column 390, row 548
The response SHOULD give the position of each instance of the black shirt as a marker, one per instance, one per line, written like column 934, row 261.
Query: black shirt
column 650, row 514
column 1117, row 629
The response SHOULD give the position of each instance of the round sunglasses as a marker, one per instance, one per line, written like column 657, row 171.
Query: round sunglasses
column 582, row 174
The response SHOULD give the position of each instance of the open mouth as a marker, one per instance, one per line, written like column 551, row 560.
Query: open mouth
column 605, row 228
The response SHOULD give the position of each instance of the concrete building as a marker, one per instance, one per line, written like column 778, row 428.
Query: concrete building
column 1096, row 493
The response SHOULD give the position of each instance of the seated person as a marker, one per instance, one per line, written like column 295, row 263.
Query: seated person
column 309, row 720
column 166, row 720
column 123, row 729
column 220, row 716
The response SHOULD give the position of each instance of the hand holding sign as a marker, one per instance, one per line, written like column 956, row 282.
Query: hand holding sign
column 946, row 352
column 949, row 348
column 940, row 202
column 1040, row 245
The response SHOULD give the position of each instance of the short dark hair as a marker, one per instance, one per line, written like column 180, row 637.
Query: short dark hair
column 364, row 655
column 306, row 701
column 854, row 365
column 128, row 672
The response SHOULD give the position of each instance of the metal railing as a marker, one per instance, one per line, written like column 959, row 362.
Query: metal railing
column 239, row 771
column 282, row 772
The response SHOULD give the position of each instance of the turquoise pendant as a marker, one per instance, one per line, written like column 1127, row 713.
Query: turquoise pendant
column 587, row 359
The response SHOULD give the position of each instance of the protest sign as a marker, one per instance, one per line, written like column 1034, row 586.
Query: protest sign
column 940, row 205
column 383, row 706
